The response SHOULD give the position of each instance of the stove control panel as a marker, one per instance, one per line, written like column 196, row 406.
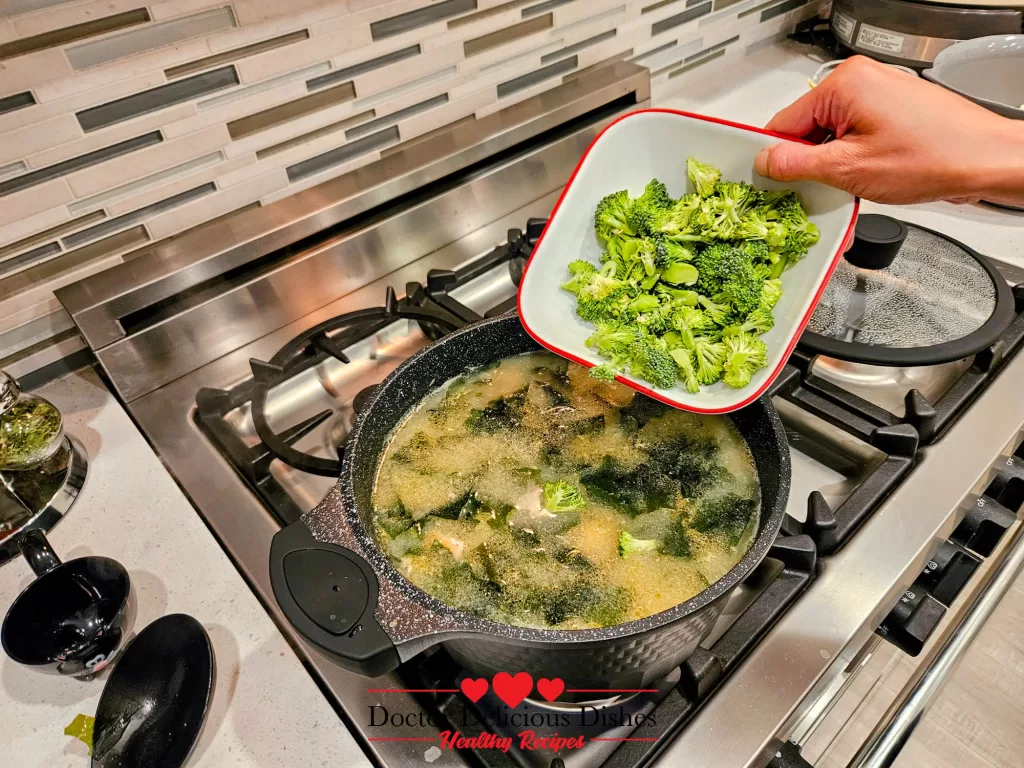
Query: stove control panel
column 909, row 625
column 948, row 572
column 983, row 526
column 1008, row 486
column 921, row 607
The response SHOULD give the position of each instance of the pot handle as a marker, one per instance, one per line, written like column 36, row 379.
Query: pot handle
column 329, row 594
column 38, row 552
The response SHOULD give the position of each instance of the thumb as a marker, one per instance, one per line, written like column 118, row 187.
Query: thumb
column 791, row 161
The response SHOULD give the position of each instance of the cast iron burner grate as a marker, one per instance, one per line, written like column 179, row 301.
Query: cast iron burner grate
column 431, row 306
column 931, row 420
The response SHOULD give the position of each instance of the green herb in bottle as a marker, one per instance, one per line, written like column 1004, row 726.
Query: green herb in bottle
column 28, row 430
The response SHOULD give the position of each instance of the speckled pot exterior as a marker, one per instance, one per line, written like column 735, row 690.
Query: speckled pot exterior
column 626, row 655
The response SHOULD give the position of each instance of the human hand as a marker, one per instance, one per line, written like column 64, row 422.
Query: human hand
column 898, row 139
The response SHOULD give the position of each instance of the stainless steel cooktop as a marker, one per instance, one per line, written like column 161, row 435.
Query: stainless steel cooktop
column 188, row 321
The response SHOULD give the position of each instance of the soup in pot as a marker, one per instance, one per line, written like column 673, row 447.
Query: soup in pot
column 532, row 494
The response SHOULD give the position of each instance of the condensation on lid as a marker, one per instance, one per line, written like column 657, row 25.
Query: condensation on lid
column 934, row 292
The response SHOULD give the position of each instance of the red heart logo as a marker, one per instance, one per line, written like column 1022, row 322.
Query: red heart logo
column 550, row 689
column 474, row 689
column 513, row 689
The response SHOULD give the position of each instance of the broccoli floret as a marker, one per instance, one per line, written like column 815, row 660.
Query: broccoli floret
column 611, row 337
column 582, row 272
column 675, row 544
column 686, row 318
column 610, row 218
column 656, row 195
column 562, row 496
column 742, row 291
column 716, row 264
column 757, row 251
column 648, row 254
column 652, row 362
column 754, row 225
column 759, row 321
column 769, row 198
column 729, row 276
column 670, row 252
column 709, row 356
column 799, row 239
column 616, row 305
column 771, row 292
column 746, row 354
column 646, row 212
column 604, row 372
column 679, row 277
column 734, row 198
column 630, row 545
column 602, row 284
column 677, row 218
column 632, row 492
column 726, row 516
column 717, row 312
column 703, row 176
column 687, row 369
column 799, row 232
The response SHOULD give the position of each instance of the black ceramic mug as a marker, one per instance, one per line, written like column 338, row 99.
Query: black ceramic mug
column 74, row 618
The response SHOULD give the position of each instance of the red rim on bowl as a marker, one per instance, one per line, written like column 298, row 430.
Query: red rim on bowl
column 847, row 239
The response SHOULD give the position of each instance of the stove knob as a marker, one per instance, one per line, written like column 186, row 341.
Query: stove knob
column 983, row 526
column 515, row 240
column 877, row 241
column 1008, row 486
column 909, row 625
column 948, row 572
column 534, row 229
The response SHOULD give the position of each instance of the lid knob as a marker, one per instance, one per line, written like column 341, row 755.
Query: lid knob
column 876, row 241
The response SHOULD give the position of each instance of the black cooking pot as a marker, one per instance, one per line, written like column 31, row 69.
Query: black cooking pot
column 340, row 591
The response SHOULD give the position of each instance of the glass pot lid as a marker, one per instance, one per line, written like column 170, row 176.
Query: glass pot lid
column 905, row 295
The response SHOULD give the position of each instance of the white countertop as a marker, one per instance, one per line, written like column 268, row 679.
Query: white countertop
column 266, row 711
column 760, row 85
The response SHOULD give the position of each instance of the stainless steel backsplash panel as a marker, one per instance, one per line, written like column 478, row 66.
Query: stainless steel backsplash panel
column 199, row 296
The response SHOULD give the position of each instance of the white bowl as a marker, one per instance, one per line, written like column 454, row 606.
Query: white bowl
column 986, row 70
column 654, row 143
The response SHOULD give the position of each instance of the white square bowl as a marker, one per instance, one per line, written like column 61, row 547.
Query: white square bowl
column 655, row 143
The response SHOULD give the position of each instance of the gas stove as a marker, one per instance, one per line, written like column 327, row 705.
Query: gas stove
column 246, row 350
column 849, row 456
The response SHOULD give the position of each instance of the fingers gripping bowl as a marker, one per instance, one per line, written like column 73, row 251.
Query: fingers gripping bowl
column 627, row 155
column 337, row 586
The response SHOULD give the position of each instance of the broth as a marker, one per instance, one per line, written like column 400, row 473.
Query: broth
column 467, row 508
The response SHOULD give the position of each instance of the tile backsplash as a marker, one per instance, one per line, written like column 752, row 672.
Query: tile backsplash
column 123, row 122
